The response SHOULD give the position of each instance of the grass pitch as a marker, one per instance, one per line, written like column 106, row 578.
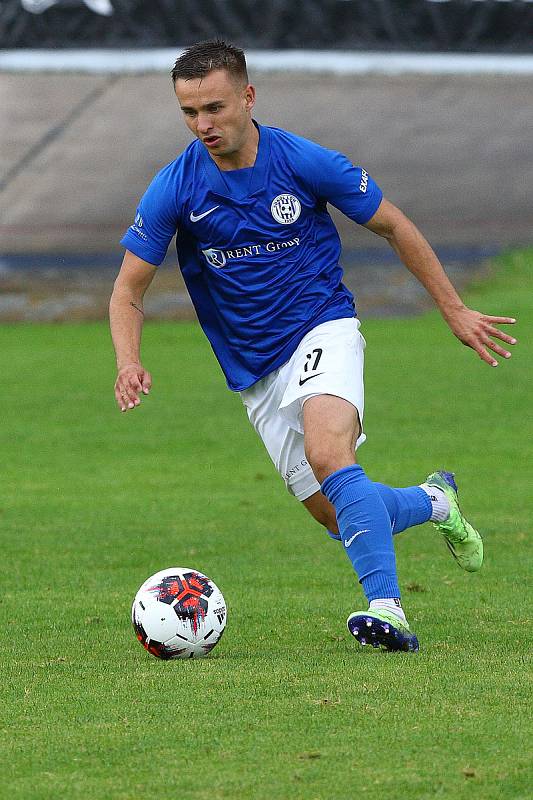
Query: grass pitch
column 287, row 706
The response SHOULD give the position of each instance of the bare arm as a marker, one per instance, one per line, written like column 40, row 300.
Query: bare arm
column 471, row 327
column 126, row 317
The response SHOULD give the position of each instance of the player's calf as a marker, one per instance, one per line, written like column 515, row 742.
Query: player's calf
column 321, row 509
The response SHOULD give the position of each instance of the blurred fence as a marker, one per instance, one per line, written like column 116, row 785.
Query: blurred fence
column 419, row 25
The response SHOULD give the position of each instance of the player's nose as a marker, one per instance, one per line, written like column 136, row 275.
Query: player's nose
column 204, row 123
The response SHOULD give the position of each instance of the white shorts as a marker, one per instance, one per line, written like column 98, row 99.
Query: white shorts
column 328, row 360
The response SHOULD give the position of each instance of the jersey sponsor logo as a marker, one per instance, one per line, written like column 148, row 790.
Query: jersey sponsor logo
column 273, row 247
column 285, row 208
column 296, row 469
column 197, row 217
column 215, row 257
column 363, row 186
column 218, row 258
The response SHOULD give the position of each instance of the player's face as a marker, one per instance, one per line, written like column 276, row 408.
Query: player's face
column 218, row 111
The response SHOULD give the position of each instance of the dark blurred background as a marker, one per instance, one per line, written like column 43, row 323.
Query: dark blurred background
column 424, row 25
column 447, row 137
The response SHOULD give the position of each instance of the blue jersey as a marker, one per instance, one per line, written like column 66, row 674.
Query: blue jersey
column 258, row 251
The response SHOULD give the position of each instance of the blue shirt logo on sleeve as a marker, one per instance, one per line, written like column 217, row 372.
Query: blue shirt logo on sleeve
column 137, row 225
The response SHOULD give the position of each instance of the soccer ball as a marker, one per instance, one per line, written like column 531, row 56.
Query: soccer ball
column 179, row 613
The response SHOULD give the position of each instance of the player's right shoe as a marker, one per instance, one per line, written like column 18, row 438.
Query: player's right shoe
column 381, row 629
column 464, row 542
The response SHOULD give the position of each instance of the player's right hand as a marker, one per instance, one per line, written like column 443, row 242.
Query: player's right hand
column 132, row 381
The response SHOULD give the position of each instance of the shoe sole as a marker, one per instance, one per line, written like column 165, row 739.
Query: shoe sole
column 378, row 633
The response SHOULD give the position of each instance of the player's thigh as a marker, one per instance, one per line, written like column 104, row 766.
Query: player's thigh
column 328, row 361
column 331, row 429
column 325, row 385
column 284, row 444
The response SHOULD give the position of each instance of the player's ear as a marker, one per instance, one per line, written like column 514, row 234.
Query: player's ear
column 249, row 97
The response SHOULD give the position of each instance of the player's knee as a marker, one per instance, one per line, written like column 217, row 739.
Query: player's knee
column 325, row 460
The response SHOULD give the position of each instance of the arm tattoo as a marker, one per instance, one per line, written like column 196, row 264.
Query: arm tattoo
column 137, row 307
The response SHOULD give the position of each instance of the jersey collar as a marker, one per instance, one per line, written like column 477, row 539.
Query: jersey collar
column 215, row 176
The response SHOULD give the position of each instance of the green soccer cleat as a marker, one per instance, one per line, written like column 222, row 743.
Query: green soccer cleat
column 464, row 542
column 382, row 629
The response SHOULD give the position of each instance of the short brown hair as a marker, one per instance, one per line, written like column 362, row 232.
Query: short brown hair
column 203, row 57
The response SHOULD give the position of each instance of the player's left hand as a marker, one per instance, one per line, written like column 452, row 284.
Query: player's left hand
column 478, row 331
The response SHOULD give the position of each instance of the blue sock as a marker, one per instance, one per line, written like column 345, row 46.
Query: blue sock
column 365, row 528
column 405, row 507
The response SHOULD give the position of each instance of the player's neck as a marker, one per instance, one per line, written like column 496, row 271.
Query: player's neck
column 243, row 157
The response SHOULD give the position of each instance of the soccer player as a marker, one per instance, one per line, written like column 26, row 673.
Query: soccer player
column 259, row 254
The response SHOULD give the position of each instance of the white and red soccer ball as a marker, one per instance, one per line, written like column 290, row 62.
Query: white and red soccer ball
column 179, row 613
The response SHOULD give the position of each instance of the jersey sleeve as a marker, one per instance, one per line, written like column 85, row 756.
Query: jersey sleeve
column 156, row 220
column 349, row 188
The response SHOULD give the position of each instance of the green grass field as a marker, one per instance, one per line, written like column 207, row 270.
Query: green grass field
column 287, row 706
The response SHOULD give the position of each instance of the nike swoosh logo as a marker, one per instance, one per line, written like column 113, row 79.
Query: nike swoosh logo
column 196, row 217
column 348, row 542
column 310, row 378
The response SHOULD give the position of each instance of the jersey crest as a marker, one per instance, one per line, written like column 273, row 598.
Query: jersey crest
column 285, row 209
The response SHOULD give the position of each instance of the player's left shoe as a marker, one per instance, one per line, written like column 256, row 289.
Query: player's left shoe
column 464, row 542
column 380, row 629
